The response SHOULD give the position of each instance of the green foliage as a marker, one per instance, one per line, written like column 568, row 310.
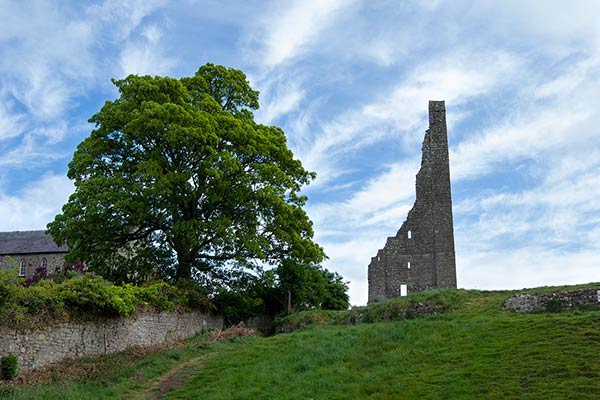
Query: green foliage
column 554, row 306
column 238, row 306
column 87, row 296
column 123, row 299
column 189, row 294
column 9, row 366
column 177, row 174
column 311, row 286
column 9, row 279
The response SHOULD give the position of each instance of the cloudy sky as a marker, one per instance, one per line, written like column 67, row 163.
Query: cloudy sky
column 348, row 81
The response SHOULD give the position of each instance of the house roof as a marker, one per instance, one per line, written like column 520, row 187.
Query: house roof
column 28, row 242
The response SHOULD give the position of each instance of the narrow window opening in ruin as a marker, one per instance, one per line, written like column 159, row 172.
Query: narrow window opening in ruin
column 409, row 265
column 378, row 258
column 410, row 234
column 403, row 290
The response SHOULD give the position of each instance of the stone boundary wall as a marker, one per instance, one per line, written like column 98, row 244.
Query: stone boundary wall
column 555, row 301
column 42, row 346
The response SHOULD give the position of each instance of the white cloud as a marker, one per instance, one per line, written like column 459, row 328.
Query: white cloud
column 383, row 197
column 358, row 291
column 35, row 205
column 12, row 123
column 510, row 141
column 152, row 34
column 278, row 97
column 289, row 28
column 549, row 25
column 456, row 78
column 124, row 17
column 144, row 58
column 553, row 213
column 32, row 151
column 47, row 52
column 526, row 268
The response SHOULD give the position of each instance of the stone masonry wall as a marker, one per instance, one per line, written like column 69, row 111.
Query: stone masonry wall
column 40, row 347
column 421, row 255
column 555, row 301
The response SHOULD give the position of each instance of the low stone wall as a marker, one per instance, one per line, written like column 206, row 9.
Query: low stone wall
column 555, row 301
column 262, row 323
column 43, row 346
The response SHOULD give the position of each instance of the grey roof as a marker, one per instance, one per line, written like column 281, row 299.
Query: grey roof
column 28, row 242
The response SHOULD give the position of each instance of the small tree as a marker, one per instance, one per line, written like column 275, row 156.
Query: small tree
column 9, row 366
column 311, row 286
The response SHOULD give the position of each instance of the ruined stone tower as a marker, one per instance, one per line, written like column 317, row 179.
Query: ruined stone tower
column 421, row 255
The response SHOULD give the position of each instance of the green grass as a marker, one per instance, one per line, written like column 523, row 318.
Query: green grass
column 473, row 350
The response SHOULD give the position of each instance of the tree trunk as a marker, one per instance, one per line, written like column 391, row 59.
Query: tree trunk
column 184, row 262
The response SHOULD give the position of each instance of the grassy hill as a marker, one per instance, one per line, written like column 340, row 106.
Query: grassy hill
column 469, row 349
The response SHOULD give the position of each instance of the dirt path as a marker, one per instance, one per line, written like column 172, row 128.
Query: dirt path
column 171, row 380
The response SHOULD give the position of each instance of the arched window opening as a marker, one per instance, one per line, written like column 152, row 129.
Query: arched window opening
column 409, row 265
column 22, row 265
column 410, row 234
column 44, row 263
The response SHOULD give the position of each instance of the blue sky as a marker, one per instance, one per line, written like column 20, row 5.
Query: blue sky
column 349, row 82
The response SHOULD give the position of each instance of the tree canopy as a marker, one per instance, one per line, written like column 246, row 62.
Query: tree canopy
column 178, row 176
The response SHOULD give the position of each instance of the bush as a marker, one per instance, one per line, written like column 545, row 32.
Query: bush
column 123, row 299
column 192, row 296
column 88, row 294
column 161, row 295
column 27, row 304
column 554, row 306
column 9, row 366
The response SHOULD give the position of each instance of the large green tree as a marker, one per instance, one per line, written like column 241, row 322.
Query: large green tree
column 178, row 175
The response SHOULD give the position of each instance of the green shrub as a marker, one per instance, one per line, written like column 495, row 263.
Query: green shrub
column 554, row 306
column 9, row 279
column 26, row 305
column 123, row 299
column 160, row 295
column 9, row 366
column 88, row 294
column 192, row 296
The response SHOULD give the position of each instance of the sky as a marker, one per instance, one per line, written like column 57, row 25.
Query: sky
column 349, row 82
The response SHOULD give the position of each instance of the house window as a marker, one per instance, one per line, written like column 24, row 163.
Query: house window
column 44, row 263
column 22, row 265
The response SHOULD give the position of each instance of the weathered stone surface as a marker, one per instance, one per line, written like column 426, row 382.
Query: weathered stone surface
column 555, row 301
column 40, row 347
column 262, row 323
column 523, row 303
column 421, row 255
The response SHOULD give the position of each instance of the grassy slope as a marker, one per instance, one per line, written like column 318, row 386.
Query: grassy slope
column 473, row 351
